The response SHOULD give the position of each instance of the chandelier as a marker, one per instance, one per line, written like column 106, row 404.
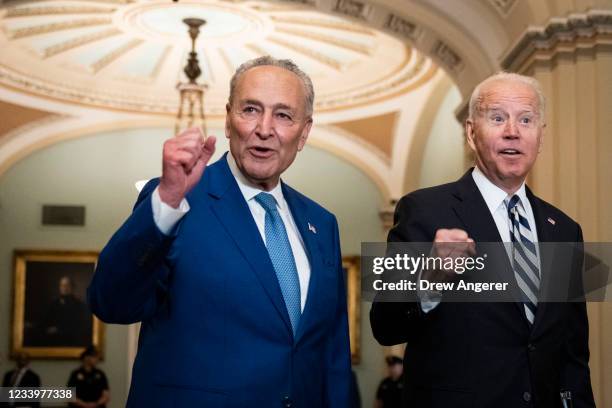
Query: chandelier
column 191, row 106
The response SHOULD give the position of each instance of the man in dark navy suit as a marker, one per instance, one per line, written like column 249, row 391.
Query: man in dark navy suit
column 236, row 277
column 482, row 355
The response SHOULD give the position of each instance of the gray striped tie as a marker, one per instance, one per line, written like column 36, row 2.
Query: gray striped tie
column 524, row 257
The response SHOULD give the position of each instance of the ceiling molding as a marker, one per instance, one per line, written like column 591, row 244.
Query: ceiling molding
column 503, row 7
column 403, row 27
column 377, row 131
column 559, row 35
column 448, row 57
column 49, row 28
column 16, row 116
column 51, row 9
column 416, row 150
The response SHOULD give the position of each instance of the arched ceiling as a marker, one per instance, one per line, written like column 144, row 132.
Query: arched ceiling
column 129, row 55
column 71, row 66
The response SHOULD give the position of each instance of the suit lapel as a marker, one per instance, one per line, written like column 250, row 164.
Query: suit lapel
column 545, row 231
column 473, row 212
column 306, row 228
column 233, row 212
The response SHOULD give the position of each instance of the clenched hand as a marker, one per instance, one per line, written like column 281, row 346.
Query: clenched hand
column 184, row 159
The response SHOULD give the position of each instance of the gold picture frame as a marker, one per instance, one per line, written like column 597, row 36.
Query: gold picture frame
column 351, row 267
column 50, row 316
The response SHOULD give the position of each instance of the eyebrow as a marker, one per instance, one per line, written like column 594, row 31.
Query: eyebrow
column 258, row 103
column 283, row 106
column 500, row 109
column 250, row 102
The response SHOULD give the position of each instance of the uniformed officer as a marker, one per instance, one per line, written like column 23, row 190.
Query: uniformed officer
column 90, row 382
column 389, row 393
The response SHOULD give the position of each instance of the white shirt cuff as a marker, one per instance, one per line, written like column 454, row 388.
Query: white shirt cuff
column 166, row 217
column 428, row 299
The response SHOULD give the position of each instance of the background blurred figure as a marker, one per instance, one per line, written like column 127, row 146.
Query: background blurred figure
column 90, row 382
column 21, row 376
column 389, row 393
column 68, row 321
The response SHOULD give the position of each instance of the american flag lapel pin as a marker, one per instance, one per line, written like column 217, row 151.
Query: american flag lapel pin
column 553, row 222
column 311, row 228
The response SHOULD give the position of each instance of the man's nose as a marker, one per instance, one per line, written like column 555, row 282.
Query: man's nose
column 265, row 125
column 511, row 129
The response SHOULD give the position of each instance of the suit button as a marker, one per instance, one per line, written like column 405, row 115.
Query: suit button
column 287, row 402
column 531, row 347
column 526, row 396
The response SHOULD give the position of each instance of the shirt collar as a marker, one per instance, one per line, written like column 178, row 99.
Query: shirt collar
column 493, row 195
column 250, row 190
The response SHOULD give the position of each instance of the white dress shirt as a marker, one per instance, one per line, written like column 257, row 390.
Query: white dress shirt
column 495, row 198
column 19, row 376
column 166, row 217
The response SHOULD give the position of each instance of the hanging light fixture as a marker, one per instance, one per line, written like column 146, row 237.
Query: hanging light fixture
column 191, row 105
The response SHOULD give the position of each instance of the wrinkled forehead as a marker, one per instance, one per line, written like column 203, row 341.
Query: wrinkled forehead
column 270, row 77
column 508, row 95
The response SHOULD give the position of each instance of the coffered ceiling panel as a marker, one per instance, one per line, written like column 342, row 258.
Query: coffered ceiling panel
column 128, row 55
column 14, row 116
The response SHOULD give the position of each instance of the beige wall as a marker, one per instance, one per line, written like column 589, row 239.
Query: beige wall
column 574, row 169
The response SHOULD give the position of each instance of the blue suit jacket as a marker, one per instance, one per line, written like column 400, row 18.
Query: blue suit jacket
column 215, row 330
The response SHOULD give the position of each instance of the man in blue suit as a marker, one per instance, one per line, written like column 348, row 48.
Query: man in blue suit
column 236, row 277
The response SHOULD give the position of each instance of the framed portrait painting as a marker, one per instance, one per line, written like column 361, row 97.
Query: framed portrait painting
column 51, row 318
column 352, row 277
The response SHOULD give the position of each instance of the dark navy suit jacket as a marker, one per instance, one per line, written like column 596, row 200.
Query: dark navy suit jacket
column 215, row 330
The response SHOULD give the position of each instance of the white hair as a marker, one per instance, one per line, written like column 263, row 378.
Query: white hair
column 476, row 97
column 287, row 64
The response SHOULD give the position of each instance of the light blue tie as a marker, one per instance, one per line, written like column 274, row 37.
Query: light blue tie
column 524, row 257
column 282, row 258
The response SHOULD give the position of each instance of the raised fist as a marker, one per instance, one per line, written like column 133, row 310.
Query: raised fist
column 184, row 159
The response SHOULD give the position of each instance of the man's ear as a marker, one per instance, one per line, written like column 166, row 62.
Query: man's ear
column 541, row 141
column 228, row 110
column 470, row 133
column 304, row 134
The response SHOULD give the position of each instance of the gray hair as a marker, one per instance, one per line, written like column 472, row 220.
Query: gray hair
column 287, row 64
column 476, row 98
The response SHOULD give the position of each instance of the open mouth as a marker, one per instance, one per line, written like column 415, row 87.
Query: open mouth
column 261, row 151
column 510, row 152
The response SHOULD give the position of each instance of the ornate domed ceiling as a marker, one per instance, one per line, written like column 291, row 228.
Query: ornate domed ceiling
column 128, row 55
